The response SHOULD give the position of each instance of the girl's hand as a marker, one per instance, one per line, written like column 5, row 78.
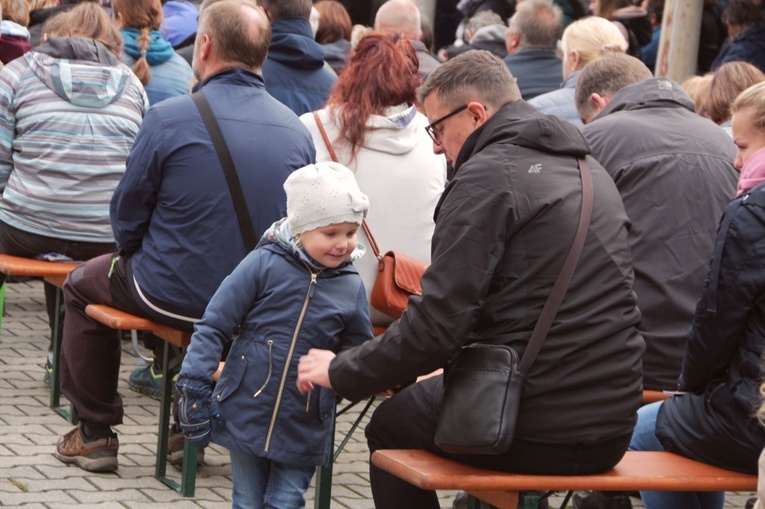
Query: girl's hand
column 313, row 369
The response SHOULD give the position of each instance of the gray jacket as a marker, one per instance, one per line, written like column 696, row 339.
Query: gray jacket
column 675, row 173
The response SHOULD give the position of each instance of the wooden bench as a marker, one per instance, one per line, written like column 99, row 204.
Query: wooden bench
column 120, row 320
column 638, row 470
column 651, row 396
column 54, row 273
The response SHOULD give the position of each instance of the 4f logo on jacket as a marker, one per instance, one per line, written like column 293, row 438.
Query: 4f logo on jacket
column 536, row 168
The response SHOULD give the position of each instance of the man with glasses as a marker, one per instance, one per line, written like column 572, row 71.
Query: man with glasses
column 504, row 226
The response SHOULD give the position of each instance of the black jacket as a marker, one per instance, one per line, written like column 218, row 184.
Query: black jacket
column 503, row 227
column 717, row 424
column 674, row 171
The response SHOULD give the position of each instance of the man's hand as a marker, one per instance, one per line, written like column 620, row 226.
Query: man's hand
column 314, row 369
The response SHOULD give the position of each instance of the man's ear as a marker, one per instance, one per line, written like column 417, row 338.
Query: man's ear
column 511, row 42
column 478, row 113
column 598, row 103
column 205, row 47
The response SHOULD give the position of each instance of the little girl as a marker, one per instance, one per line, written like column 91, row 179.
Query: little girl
column 296, row 291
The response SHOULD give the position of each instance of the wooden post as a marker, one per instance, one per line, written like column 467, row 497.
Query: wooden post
column 679, row 44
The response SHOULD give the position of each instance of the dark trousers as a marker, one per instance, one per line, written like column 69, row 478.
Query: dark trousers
column 20, row 243
column 90, row 356
column 408, row 421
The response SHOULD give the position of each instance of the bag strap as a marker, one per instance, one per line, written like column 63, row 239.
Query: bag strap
column 558, row 291
column 333, row 155
column 227, row 162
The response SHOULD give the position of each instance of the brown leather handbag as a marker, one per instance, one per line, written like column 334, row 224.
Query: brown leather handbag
column 398, row 276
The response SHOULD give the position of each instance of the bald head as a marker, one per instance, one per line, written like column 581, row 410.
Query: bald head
column 399, row 16
column 232, row 33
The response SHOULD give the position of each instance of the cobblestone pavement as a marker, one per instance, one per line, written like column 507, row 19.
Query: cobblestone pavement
column 31, row 477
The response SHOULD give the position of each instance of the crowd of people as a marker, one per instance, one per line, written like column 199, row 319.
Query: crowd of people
column 463, row 152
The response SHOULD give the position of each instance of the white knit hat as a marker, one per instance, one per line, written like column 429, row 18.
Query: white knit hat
column 322, row 194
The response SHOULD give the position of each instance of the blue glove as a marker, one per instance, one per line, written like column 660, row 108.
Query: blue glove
column 195, row 410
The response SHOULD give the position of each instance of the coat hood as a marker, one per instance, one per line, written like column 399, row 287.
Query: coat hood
column 293, row 45
column 81, row 71
column 490, row 33
column 394, row 132
column 521, row 124
column 650, row 93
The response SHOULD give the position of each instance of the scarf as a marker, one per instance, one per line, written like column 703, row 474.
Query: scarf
column 753, row 172
column 157, row 52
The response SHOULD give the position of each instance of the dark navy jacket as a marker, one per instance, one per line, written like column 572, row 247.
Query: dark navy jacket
column 285, row 307
column 747, row 47
column 172, row 212
column 537, row 71
column 717, row 423
column 294, row 69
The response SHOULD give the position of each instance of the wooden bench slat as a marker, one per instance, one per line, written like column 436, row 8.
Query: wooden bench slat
column 651, row 396
column 19, row 266
column 638, row 470
column 120, row 320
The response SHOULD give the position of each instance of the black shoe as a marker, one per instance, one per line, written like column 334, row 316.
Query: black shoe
column 750, row 503
column 597, row 500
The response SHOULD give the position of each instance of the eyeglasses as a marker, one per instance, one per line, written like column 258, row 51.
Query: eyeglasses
column 431, row 127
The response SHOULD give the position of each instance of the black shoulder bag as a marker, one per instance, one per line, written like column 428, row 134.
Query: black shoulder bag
column 484, row 383
column 227, row 162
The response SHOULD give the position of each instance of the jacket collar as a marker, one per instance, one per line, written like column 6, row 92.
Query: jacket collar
column 234, row 76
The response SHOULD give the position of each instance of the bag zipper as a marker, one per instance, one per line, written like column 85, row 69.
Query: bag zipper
column 283, row 382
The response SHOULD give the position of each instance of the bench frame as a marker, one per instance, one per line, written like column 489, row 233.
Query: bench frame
column 54, row 273
column 638, row 470
column 174, row 339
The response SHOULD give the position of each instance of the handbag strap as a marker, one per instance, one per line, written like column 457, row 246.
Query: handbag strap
column 558, row 291
column 227, row 162
column 333, row 155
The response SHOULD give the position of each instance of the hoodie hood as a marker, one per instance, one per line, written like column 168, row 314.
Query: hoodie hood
column 157, row 52
column 14, row 29
column 293, row 45
column 279, row 233
column 81, row 71
column 490, row 33
column 650, row 93
column 395, row 131
column 521, row 124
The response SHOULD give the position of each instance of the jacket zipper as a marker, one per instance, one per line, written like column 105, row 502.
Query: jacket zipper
column 287, row 363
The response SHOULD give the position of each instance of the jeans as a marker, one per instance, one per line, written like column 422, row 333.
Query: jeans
column 408, row 421
column 644, row 439
column 21, row 243
column 263, row 483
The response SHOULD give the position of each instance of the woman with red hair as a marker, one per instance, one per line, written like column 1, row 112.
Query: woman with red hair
column 376, row 131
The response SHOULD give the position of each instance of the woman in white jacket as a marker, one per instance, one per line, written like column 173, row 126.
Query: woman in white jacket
column 377, row 132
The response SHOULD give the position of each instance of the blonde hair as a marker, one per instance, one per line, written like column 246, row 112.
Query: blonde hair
column 729, row 81
column 698, row 89
column 592, row 38
column 754, row 98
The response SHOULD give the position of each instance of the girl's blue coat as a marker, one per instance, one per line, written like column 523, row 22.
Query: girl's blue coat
column 261, row 411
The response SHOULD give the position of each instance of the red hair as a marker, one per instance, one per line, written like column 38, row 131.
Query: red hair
column 382, row 72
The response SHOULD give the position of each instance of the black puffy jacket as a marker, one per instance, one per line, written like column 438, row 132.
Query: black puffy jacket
column 503, row 227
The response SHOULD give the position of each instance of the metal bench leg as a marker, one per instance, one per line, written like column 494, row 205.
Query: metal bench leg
column 55, row 378
column 189, row 469
column 323, row 490
column 323, row 485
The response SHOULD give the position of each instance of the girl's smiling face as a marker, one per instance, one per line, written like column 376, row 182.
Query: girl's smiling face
column 330, row 245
